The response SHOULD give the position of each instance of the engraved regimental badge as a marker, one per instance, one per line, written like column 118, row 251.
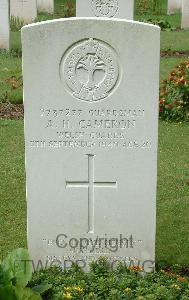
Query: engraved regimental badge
column 90, row 70
column 105, row 8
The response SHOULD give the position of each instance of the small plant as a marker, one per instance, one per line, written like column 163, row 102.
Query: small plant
column 15, row 273
column 16, row 23
column 41, row 17
column 148, row 7
column 104, row 283
column 174, row 94
column 68, row 9
column 163, row 24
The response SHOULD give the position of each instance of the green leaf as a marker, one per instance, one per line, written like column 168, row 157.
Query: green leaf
column 7, row 293
column 26, row 294
column 18, row 265
column 42, row 288
column 5, row 277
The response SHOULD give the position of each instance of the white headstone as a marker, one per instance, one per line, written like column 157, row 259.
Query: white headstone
column 25, row 10
column 4, row 24
column 123, row 9
column 45, row 6
column 185, row 14
column 174, row 6
column 91, row 130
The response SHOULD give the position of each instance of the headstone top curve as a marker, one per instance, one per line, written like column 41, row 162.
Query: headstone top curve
column 91, row 20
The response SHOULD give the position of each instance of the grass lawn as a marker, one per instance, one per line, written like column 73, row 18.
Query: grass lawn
column 59, row 4
column 10, row 78
column 12, row 187
column 161, row 14
column 15, row 41
column 173, row 194
column 174, row 20
column 175, row 40
column 167, row 64
column 173, row 190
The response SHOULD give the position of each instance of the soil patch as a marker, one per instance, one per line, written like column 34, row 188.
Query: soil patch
column 11, row 111
column 169, row 54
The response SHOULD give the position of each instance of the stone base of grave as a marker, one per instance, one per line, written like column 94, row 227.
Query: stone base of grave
column 185, row 22
column 45, row 6
column 11, row 111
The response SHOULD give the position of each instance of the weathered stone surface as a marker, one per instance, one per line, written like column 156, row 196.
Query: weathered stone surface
column 25, row 10
column 91, row 122
column 45, row 6
column 4, row 24
column 174, row 6
column 185, row 14
column 123, row 9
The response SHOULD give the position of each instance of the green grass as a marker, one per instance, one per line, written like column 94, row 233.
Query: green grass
column 167, row 64
column 172, row 201
column 161, row 14
column 15, row 41
column 175, row 40
column 10, row 78
column 12, row 187
column 60, row 3
column 173, row 194
column 161, row 8
column 174, row 20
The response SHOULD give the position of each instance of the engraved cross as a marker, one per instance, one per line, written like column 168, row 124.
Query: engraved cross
column 91, row 184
